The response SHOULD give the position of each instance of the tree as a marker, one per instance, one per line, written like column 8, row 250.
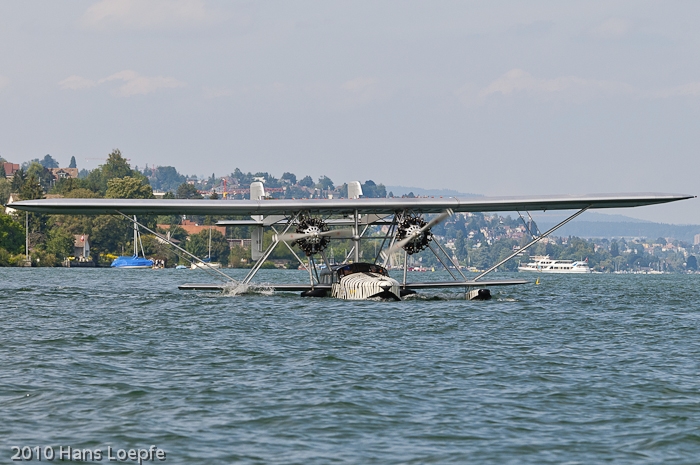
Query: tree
column 31, row 189
column 325, row 183
column 166, row 178
column 306, row 181
column 691, row 263
column 115, row 167
column 49, row 162
column 372, row 190
column 5, row 190
column 64, row 186
column 3, row 175
column 614, row 249
column 128, row 188
column 110, row 234
column 178, row 233
column 187, row 191
column 60, row 243
column 42, row 174
column 239, row 256
column 11, row 234
column 18, row 180
column 72, row 164
column 198, row 244
column 82, row 193
column 289, row 178
column 342, row 191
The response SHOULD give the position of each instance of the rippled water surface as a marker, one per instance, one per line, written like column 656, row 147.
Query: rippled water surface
column 578, row 369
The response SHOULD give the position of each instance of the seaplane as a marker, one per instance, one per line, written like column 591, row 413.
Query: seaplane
column 309, row 225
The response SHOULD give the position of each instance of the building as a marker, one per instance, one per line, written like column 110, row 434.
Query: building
column 64, row 173
column 10, row 169
column 81, row 247
column 697, row 239
column 14, row 197
column 193, row 228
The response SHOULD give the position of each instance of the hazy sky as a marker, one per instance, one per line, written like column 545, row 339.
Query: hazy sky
column 495, row 98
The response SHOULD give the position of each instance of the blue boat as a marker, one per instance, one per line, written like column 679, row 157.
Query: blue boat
column 134, row 261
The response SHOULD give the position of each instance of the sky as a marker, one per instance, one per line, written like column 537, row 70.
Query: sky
column 493, row 98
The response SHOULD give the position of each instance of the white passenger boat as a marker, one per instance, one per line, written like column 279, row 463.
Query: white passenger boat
column 544, row 264
column 205, row 264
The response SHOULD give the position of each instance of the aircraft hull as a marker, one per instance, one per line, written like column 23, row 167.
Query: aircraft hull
column 363, row 286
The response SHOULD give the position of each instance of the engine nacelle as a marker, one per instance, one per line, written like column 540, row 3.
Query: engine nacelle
column 409, row 226
column 312, row 244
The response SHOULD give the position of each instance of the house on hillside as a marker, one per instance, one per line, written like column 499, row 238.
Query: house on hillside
column 14, row 197
column 194, row 228
column 64, row 173
column 81, row 247
column 10, row 169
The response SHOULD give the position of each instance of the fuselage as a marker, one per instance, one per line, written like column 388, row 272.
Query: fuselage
column 361, row 281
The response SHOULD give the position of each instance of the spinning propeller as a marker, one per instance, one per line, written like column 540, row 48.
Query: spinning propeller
column 335, row 234
column 416, row 234
column 312, row 235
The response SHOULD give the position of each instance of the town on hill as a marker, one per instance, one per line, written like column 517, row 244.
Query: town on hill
column 476, row 240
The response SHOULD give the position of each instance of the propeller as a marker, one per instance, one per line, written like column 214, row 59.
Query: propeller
column 335, row 233
column 400, row 244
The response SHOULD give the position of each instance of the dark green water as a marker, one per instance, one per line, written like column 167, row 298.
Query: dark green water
column 580, row 369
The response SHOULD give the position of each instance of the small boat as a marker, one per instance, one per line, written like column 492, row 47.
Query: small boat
column 544, row 264
column 181, row 267
column 133, row 262
column 205, row 264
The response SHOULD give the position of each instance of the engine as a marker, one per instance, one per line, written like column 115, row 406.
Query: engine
column 409, row 226
column 312, row 243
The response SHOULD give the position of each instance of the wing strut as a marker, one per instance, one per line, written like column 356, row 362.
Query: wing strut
column 253, row 271
column 208, row 268
column 356, row 237
column 290, row 248
column 389, row 233
column 531, row 243
column 530, row 225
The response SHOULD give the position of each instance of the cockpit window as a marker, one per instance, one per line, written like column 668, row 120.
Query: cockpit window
column 361, row 268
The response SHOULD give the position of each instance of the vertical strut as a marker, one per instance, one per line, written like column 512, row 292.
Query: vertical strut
column 356, row 238
column 405, row 267
column 388, row 234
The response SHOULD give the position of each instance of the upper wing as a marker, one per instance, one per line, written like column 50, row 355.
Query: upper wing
column 341, row 206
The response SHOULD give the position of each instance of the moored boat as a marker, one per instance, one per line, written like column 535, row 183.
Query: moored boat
column 544, row 264
column 133, row 262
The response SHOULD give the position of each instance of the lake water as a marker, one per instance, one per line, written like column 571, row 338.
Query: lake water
column 578, row 369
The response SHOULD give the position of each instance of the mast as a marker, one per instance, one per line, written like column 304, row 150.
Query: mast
column 136, row 231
